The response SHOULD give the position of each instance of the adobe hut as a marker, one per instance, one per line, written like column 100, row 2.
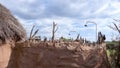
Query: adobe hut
column 11, row 31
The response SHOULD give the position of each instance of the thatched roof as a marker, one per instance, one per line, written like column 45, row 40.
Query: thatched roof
column 10, row 28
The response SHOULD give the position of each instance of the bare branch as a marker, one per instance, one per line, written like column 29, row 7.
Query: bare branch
column 116, row 27
column 56, row 29
column 112, row 27
column 116, row 20
column 35, row 33
column 31, row 31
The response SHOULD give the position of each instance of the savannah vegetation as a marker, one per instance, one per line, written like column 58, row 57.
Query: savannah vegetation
column 113, row 47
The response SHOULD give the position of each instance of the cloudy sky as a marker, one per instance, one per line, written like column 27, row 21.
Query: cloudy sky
column 70, row 16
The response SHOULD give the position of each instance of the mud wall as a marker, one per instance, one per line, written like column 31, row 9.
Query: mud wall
column 5, row 53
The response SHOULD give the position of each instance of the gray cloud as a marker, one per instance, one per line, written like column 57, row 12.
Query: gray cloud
column 56, row 8
column 69, row 14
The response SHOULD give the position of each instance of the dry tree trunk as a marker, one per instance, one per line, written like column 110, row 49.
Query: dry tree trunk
column 54, row 31
column 78, row 37
column 32, row 35
column 31, row 32
column 35, row 33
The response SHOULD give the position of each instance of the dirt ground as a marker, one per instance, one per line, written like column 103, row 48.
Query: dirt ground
column 40, row 56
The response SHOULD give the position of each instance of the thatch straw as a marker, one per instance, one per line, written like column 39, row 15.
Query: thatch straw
column 10, row 28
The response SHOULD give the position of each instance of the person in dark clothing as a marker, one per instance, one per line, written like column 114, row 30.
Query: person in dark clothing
column 104, row 38
column 101, row 38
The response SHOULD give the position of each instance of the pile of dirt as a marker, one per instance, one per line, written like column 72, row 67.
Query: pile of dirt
column 52, row 57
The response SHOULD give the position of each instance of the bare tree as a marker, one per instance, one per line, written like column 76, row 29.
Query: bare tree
column 116, row 27
column 55, row 28
column 33, row 34
column 31, row 31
